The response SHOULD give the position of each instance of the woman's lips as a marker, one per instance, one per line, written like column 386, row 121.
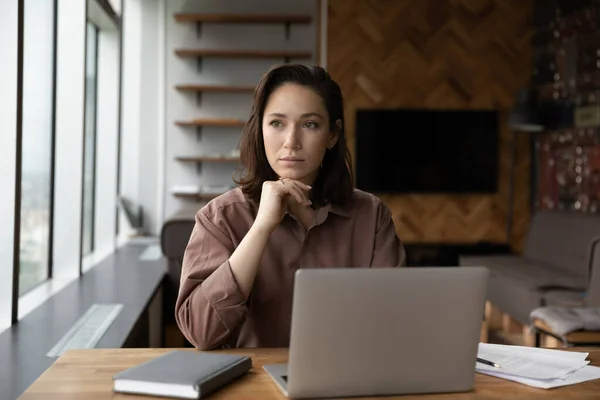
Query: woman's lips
column 290, row 160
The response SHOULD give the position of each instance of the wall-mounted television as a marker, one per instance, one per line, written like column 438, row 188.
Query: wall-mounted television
column 427, row 151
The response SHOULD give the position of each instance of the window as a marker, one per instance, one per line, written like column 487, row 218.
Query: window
column 10, row 131
column 89, row 165
column 38, row 131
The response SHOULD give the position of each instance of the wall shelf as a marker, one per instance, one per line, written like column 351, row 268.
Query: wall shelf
column 199, row 159
column 215, row 88
column 224, row 122
column 286, row 19
column 243, row 53
column 244, row 18
column 197, row 196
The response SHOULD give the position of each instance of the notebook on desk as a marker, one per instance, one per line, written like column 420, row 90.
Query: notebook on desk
column 182, row 374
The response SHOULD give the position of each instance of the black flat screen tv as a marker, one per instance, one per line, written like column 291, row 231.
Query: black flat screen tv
column 427, row 151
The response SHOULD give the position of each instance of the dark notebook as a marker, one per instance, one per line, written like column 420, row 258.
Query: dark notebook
column 182, row 374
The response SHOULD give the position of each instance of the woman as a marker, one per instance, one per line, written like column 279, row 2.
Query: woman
column 296, row 208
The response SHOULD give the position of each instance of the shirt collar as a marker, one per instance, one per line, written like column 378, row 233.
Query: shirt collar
column 337, row 209
column 324, row 211
column 331, row 208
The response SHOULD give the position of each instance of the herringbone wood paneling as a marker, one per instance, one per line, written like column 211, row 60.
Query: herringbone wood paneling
column 439, row 54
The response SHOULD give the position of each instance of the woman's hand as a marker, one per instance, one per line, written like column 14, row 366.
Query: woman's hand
column 274, row 200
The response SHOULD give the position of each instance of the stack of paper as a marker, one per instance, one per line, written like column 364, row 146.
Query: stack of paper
column 541, row 368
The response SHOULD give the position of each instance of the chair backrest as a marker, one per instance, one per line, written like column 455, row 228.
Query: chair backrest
column 174, row 237
column 593, row 295
column 562, row 240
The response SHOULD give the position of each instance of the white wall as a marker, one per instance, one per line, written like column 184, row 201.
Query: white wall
column 182, row 106
column 70, row 84
column 149, row 112
column 130, row 103
column 8, row 134
column 141, row 109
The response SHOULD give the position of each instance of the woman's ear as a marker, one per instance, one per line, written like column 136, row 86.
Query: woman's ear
column 335, row 134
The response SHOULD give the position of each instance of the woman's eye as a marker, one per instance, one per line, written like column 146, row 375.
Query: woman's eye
column 276, row 124
column 311, row 125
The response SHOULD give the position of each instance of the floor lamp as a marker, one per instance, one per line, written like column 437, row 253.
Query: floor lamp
column 523, row 118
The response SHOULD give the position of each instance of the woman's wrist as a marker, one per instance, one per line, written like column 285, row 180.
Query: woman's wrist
column 260, row 229
column 245, row 260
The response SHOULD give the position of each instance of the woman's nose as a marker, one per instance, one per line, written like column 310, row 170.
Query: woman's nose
column 292, row 139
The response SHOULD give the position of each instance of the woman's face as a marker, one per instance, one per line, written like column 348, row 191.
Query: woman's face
column 296, row 132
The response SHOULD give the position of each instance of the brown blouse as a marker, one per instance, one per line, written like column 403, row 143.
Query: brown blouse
column 212, row 312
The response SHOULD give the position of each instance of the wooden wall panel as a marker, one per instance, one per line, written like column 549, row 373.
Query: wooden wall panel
column 439, row 54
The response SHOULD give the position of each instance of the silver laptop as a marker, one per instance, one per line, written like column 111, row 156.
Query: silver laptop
column 383, row 331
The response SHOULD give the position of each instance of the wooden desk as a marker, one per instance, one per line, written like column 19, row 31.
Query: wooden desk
column 83, row 374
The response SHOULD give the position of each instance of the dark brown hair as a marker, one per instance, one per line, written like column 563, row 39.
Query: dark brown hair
column 334, row 183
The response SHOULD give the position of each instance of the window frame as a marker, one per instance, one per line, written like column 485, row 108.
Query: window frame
column 64, row 270
column 18, row 166
column 119, row 121
column 109, row 56
column 63, row 273
column 53, row 140
column 95, row 140
column 19, row 194
column 12, row 15
column 28, row 301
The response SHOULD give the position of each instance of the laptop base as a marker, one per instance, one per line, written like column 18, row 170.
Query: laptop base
column 278, row 372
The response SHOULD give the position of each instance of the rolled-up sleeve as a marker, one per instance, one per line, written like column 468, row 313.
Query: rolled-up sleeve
column 210, row 305
column 388, row 249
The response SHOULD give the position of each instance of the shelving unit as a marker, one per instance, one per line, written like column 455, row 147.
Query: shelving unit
column 243, row 53
column 200, row 123
column 215, row 89
column 198, row 91
column 200, row 159
column 224, row 122
column 197, row 196
column 286, row 19
column 244, row 18
column 199, row 54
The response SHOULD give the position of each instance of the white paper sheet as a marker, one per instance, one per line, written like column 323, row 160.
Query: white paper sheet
column 506, row 349
column 536, row 367
column 586, row 373
column 532, row 363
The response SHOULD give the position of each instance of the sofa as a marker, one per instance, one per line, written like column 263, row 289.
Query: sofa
column 588, row 298
column 562, row 250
